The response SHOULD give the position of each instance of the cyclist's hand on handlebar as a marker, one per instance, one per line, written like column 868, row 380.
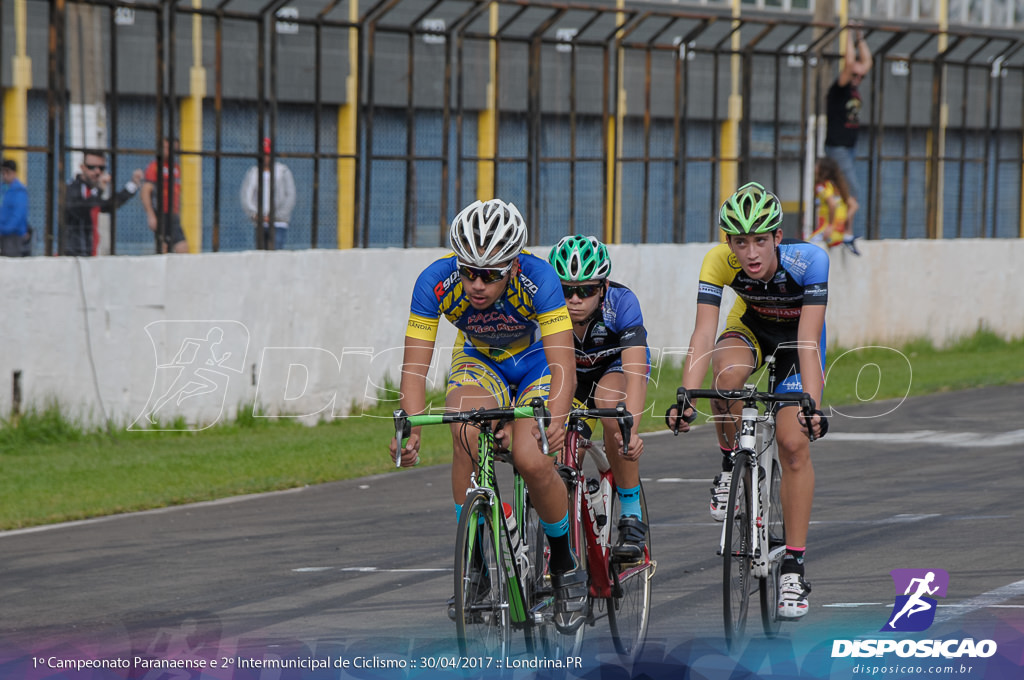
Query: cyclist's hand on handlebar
column 677, row 424
column 635, row 448
column 819, row 424
column 411, row 450
column 555, row 433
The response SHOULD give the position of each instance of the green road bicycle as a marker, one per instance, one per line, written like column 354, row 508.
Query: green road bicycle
column 499, row 580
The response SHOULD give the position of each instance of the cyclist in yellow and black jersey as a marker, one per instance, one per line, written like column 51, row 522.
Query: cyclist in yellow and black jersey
column 782, row 290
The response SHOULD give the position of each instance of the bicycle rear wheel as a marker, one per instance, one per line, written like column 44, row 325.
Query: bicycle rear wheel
column 630, row 605
column 776, row 539
column 736, row 576
column 481, row 592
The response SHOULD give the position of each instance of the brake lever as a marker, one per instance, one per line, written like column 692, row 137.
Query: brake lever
column 625, row 420
column 543, row 418
column 402, row 431
column 807, row 406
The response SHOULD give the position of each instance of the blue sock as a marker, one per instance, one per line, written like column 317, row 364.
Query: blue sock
column 559, row 528
column 458, row 513
column 562, row 559
column 629, row 501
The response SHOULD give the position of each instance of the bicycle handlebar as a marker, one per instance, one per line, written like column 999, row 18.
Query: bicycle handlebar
column 479, row 416
column 685, row 397
column 623, row 418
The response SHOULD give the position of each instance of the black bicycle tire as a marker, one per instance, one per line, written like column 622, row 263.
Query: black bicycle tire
column 776, row 536
column 628, row 635
column 557, row 644
column 495, row 625
column 735, row 554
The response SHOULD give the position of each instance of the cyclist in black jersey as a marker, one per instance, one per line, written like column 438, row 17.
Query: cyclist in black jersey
column 782, row 289
column 612, row 365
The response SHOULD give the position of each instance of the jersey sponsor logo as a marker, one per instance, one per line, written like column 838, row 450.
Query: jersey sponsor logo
column 554, row 319
column 708, row 289
column 442, row 287
column 528, row 285
column 777, row 312
column 589, row 359
column 420, row 326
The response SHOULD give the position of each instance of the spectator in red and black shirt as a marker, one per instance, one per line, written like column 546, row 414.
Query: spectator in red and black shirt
column 84, row 202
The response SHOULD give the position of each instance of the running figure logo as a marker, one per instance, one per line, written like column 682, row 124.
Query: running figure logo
column 914, row 610
column 192, row 383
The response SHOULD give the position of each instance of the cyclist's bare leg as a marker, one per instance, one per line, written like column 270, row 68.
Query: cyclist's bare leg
column 461, row 399
column 797, row 475
column 547, row 490
column 731, row 364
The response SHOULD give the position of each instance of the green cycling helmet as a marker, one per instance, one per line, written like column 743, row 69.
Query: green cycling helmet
column 580, row 258
column 751, row 210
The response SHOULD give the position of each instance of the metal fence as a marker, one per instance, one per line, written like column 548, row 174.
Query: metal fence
column 630, row 124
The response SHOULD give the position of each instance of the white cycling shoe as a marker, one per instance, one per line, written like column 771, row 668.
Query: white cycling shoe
column 720, row 496
column 793, row 591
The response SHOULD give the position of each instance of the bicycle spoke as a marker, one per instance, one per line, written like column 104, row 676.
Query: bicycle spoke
column 630, row 604
column 481, row 592
column 737, row 579
column 776, row 538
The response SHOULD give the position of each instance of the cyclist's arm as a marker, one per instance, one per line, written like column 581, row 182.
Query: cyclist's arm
column 634, row 368
column 812, row 320
column 415, row 364
column 702, row 342
column 561, row 358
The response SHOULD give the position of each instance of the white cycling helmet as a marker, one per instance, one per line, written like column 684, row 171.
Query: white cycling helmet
column 488, row 233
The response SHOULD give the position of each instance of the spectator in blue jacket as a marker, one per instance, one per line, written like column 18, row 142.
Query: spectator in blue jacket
column 13, row 210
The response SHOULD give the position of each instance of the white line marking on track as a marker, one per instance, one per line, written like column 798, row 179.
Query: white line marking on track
column 992, row 598
column 956, row 439
column 369, row 570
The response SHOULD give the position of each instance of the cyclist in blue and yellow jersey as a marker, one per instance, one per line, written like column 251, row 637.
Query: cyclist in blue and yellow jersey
column 514, row 343
column 612, row 366
column 782, row 289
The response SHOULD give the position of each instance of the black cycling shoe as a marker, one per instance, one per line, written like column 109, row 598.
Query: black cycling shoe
column 632, row 534
column 479, row 591
column 571, row 590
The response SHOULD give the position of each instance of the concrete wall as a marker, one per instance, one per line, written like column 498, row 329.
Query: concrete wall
column 310, row 332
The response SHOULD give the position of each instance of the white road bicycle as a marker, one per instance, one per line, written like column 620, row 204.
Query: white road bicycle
column 753, row 541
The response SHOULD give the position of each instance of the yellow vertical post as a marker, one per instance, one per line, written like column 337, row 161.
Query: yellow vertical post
column 487, row 121
column 613, row 174
column 348, row 138
column 15, row 123
column 192, row 141
column 730, row 128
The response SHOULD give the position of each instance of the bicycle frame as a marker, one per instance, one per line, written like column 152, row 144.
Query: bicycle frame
column 756, row 440
column 484, row 481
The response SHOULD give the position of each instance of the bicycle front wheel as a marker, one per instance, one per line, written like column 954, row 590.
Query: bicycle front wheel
column 481, row 592
column 630, row 605
column 776, row 539
column 736, row 576
column 554, row 643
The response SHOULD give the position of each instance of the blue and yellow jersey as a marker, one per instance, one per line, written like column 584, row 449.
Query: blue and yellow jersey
column 531, row 307
column 801, row 279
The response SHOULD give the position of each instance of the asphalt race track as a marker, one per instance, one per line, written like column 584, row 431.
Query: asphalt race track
column 362, row 569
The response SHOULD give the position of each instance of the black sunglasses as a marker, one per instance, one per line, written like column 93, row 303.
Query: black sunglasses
column 488, row 274
column 583, row 292
column 94, row 167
